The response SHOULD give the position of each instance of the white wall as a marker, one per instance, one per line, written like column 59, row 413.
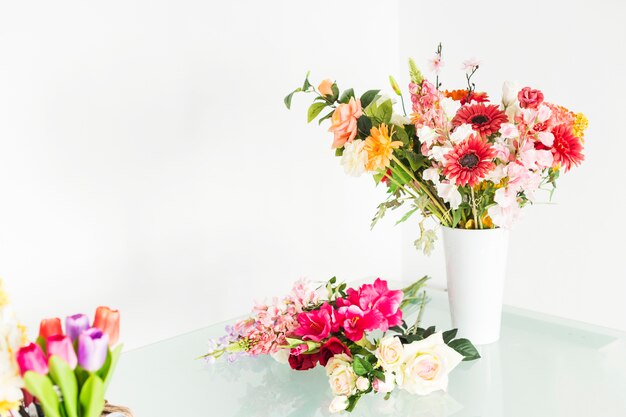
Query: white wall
column 147, row 160
column 566, row 258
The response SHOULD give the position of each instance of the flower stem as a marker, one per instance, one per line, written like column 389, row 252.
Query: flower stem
column 476, row 222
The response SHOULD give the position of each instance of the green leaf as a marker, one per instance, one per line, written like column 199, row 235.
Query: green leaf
column 115, row 357
column 364, row 125
column 314, row 110
column 402, row 136
column 335, row 91
column 456, row 217
column 347, row 95
column 465, row 348
column 338, row 151
column 41, row 387
column 306, row 84
column 431, row 330
column 63, row 376
column 368, row 97
column 386, row 111
column 327, row 116
column 92, row 397
column 352, row 402
column 289, row 96
column 407, row 215
column 361, row 366
column 448, row 335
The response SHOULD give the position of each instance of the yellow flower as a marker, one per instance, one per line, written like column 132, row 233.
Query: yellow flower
column 581, row 123
column 379, row 147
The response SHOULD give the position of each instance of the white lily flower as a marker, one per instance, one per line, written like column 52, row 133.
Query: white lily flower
column 450, row 194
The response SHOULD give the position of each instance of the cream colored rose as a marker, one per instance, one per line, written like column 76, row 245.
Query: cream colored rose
column 337, row 361
column 384, row 386
column 343, row 380
column 426, row 365
column 362, row 383
column 338, row 404
column 389, row 352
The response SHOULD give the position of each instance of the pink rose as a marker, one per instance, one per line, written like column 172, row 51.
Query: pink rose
column 529, row 98
column 344, row 122
column 314, row 325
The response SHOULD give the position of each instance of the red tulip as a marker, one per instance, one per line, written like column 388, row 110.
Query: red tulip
column 32, row 358
column 50, row 327
column 108, row 321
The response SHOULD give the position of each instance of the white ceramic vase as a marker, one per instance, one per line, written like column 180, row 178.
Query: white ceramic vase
column 475, row 268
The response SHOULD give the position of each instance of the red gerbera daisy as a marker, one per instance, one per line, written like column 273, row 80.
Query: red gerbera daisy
column 484, row 119
column 567, row 149
column 469, row 161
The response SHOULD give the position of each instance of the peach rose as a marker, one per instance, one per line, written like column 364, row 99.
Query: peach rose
column 343, row 380
column 325, row 87
column 344, row 122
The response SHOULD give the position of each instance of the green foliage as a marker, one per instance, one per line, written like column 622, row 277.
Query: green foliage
column 289, row 96
column 368, row 97
column 364, row 125
column 407, row 215
column 41, row 387
column 380, row 112
column 314, row 110
column 326, row 116
column 415, row 73
column 346, row 95
column 448, row 335
column 63, row 376
column 361, row 366
column 91, row 397
column 465, row 348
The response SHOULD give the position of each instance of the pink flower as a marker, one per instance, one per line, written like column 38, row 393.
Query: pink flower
column 356, row 322
column 32, row 358
column 314, row 325
column 62, row 347
column 377, row 296
column 344, row 122
column 470, row 64
column 529, row 98
column 436, row 64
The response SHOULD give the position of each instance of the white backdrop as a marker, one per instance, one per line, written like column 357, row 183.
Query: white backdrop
column 147, row 160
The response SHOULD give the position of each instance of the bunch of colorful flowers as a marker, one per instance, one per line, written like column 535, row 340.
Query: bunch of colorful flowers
column 66, row 374
column 358, row 335
column 460, row 158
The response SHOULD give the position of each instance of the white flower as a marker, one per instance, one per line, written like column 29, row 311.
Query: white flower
column 342, row 378
column 11, row 338
column 354, row 158
column 339, row 403
column 509, row 131
column 461, row 133
column 362, row 383
column 399, row 120
column 389, row 352
column 510, row 89
column 505, row 197
column 384, row 386
column 439, row 152
column 281, row 356
column 470, row 64
column 496, row 174
column 426, row 365
column 449, row 106
column 427, row 135
column 505, row 217
column 450, row 194
column 431, row 174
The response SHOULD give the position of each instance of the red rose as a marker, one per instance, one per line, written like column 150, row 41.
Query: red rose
column 303, row 361
column 332, row 347
column 529, row 98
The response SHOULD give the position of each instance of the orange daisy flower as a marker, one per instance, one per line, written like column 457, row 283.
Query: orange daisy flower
column 379, row 147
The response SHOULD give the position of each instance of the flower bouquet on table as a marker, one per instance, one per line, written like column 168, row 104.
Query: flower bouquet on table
column 358, row 335
column 458, row 158
column 62, row 374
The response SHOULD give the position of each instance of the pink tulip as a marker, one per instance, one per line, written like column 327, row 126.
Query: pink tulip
column 32, row 358
column 62, row 347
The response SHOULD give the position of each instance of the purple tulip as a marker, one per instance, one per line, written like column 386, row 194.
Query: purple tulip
column 75, row 325
column 62, row 347
column 32, row 358
column 93, row 346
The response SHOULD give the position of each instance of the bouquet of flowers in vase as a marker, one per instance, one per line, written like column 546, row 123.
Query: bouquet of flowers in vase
column 457, row 157
column 358, row 335
column 62, row 374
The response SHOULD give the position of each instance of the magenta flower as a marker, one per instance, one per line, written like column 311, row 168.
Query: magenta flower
column 356, row 321
column 314, row 325
column 75, row 325
column 32, row 358
column 377, row 296
column 62, row 347
column 93, row 346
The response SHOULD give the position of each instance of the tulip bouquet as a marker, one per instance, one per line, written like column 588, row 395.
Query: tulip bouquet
column 457, row 157
column 78, row 364
column 358, row 335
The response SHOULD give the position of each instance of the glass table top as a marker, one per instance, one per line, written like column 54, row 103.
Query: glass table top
column 541, row 367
